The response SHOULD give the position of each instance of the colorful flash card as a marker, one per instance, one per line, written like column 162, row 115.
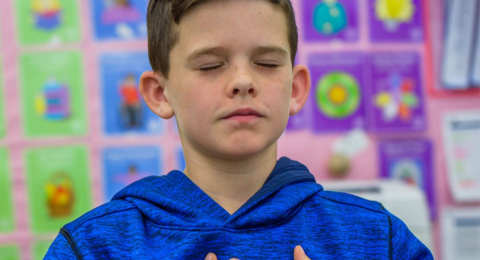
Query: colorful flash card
column 395, row 21
column 59, row 188
column 7, row 223
column 330, row 20
column 461, row 142
column 53, row 98
column 410, row 161
column 395, row 100
column 9, row 252
column 40, row 249
column 119, row 19
column 123, row 108
column 125, row 165
column 47, row 21
column 337, row 91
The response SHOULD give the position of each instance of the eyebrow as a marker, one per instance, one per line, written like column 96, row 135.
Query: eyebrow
column 270, row 49
column 215, row 51
column 220, row 51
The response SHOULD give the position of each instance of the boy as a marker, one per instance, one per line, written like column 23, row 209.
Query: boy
column 224, row 69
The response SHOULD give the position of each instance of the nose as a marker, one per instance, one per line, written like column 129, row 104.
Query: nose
column 242, row 83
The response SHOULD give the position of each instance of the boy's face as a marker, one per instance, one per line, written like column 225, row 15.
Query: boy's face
column 230, row 80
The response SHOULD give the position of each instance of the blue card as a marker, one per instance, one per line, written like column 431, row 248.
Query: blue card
column 119, row 19
column 125, row 165
column 124, row 110
column 180, row 159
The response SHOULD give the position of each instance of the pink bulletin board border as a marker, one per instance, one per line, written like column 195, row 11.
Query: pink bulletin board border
column 311, row 149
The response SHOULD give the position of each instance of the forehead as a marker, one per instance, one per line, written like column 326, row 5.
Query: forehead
column 231, row 23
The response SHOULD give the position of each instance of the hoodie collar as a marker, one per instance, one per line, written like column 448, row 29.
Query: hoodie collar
column 289, row 184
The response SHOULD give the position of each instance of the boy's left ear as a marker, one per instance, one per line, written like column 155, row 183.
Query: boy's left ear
column 300, row 88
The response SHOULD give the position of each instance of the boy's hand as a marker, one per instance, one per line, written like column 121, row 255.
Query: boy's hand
column 298, row 254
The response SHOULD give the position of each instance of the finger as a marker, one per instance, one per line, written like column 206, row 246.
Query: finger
column 211, row 256
column 299, row 254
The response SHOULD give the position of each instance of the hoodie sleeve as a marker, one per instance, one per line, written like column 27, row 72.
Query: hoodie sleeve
column 404, row 245
column 61, row 248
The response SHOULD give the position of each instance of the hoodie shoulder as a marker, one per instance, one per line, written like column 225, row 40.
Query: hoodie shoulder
column 107, row 209
column 352, row 200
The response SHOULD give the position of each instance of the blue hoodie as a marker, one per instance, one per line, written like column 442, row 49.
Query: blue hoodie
column 169, row 217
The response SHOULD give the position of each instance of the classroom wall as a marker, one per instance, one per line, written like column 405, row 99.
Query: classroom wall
column 84, row 147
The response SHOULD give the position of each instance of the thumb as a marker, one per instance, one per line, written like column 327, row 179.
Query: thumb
column 299, row 254
column 211, row 256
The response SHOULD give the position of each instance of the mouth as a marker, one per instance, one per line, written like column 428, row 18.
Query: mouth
column 243, row 115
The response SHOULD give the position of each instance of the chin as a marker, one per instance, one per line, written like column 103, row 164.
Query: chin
column 244, row 151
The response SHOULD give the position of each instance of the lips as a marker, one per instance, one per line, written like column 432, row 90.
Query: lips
column 244, row 113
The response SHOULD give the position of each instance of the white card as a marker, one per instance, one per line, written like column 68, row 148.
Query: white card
column 461, row 233
column 461, row 137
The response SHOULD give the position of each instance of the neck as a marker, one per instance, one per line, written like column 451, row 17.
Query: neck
column 228, row 182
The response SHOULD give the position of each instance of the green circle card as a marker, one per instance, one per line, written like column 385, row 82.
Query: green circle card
column 337, row 95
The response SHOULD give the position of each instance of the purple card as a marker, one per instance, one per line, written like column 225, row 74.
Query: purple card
column 337, row 84
column 395, row 100
column 395, row 21
column 409, row 160
column 302, row 120
column 326, row 20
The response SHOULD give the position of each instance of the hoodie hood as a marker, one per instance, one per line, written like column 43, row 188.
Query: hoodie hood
column 173, row 200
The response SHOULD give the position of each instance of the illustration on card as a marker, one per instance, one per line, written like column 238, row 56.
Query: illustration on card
column 399, row 100
column 396, row 20
column 125, row 165
column 119, row 19
column 53, row 101
column 409, row 161
column 47, row 14
column 329, row 17
column 338, row 80
column 131, row 108
column 125, row 112
column 337, row 95
column 59, row 195
column 47, row 21
column 59, row 188
column 53, row 94
column 330, row 20
column 396, row 96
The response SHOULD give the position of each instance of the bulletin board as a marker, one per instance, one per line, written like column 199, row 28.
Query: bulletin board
column 74, row 130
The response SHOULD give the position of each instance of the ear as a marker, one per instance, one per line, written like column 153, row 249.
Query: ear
column 300, row 88
column 152, row 89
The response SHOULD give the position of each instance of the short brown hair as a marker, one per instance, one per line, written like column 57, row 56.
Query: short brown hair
column 162, row 16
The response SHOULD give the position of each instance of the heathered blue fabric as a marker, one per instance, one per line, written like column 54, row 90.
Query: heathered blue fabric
column 169, row 217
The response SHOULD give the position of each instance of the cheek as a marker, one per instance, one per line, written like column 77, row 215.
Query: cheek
column 278, row 95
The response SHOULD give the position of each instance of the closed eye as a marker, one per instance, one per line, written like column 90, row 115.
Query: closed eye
column 205, row 69
column 268, row 65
